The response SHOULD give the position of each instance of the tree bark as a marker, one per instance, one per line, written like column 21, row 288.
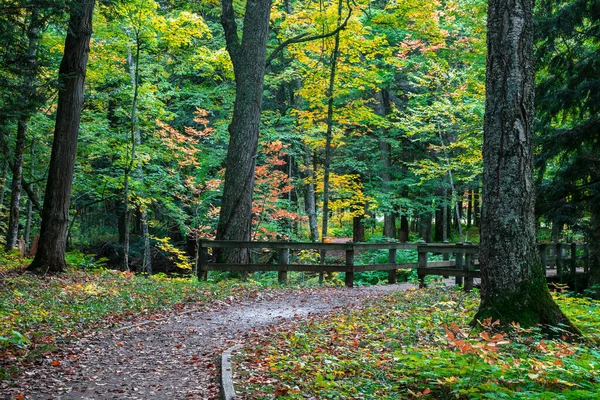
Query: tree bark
column 309, row 198
column 470, row 196
column 513, row 283
column 425, row 226
column 248, row 58
column 476, row 207
column 50, row 256
column 385, row 149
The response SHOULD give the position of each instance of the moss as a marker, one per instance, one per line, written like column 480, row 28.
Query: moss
column 531, row 305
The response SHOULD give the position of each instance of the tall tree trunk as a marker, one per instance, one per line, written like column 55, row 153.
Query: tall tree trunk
column 329, row 132
column 404, row 228
column 385, row 149
column 309, row 198
column 3, row 182
column 136, row 139
column 28, row 91
column 248, row 57
column 29, row 204
column 513, row 282
column 476, row 208
column 50, row 256
column 438, row 235
column 425, row 226
column 593, row 240
column 12, row 232
column 470, row 195
column 445, row 216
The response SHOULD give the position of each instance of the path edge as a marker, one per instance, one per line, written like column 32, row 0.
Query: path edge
column 227, row 389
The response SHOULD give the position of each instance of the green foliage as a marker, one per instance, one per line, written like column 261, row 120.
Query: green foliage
column 418, row 344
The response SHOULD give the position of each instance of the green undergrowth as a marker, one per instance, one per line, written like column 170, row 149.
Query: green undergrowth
column 38, row 313
column 418, row 344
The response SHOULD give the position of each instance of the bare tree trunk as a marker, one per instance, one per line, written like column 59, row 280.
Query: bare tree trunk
column 309, row 198
column 425, row 226
column 248, row 57
column 476, row 207
column 470, row 195
column 33, row 34
column 3, row 182
column 513, row 282
column 383, row 108
column 134, row 72
column 29, row 204
column 50, row 256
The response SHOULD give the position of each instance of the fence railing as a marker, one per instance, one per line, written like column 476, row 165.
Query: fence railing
column 464, row 267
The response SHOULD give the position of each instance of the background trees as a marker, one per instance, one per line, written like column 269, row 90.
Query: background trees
column 403, row 114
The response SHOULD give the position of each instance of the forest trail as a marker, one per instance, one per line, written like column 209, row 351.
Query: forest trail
column 175, row 358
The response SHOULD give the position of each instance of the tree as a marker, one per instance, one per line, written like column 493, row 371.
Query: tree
column 568, row 105
column 248, row 56
column 513, row 282
column 55, row 214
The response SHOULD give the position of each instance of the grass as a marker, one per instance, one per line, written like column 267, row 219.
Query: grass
column 417, row 344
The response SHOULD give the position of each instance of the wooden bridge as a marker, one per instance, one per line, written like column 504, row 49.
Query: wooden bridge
column 557, row 258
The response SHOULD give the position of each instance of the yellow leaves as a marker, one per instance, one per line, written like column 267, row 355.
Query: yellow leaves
column 178, row 256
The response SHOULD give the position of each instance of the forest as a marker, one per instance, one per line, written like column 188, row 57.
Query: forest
column 134, row 131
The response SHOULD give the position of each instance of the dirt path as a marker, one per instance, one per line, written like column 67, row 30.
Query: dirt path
column 174, row 358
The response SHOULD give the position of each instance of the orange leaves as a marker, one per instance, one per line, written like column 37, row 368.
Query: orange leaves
column 55, row 363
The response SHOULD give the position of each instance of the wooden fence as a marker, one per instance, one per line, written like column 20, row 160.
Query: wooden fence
column 464, row 267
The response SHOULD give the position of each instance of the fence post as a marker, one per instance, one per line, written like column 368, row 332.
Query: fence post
column 459, row 264
column 202, row 262
column 573, row 258
column 392, row 272
column 422, row 264
column 283, row 257
column 559, row 259
column 586, row 258
column 543, row 256
column 350, row 266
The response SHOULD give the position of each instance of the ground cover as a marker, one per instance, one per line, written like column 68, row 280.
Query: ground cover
column 39, row 313
column 417, row 344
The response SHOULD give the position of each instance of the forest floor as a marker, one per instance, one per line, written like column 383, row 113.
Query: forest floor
column 174, row 357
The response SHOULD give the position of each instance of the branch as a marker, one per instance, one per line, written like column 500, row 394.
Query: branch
column 230, row 28
column 303, row 37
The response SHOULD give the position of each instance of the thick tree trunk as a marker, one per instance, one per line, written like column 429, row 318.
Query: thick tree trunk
column 50, row 256
column 358, row 228
column 425, row 226
column 513, row 283
column 404, row 229
column 248, row 57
